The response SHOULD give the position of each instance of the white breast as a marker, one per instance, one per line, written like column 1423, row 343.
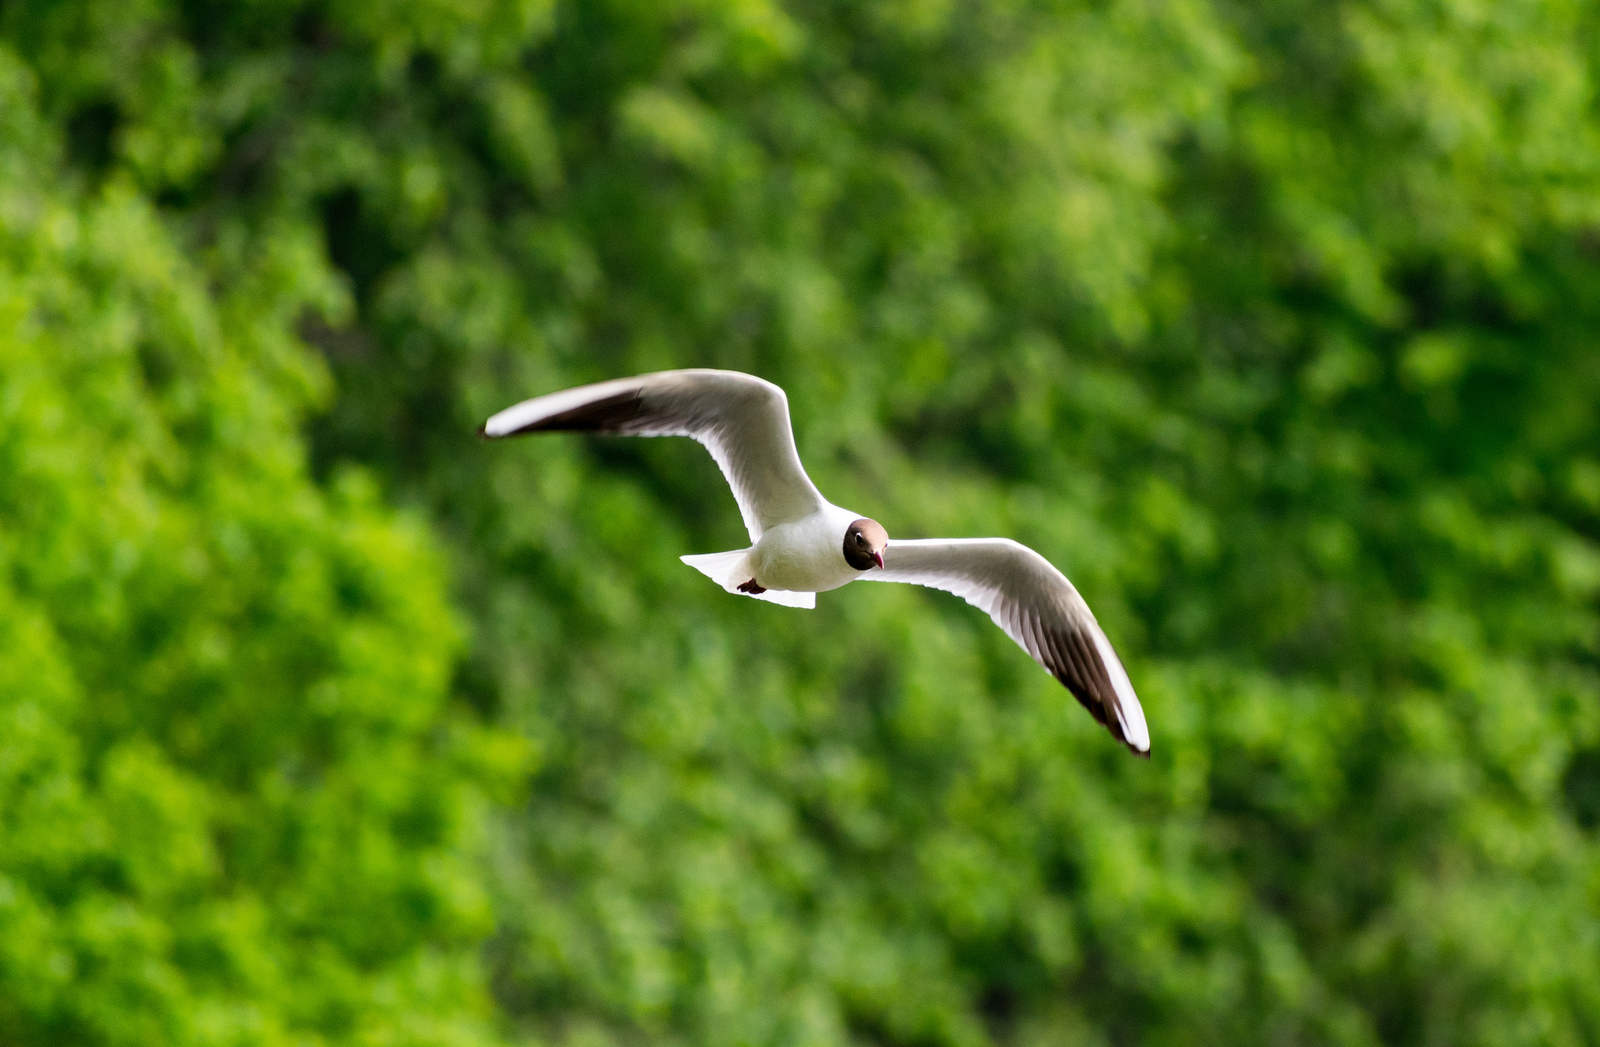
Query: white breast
column 807, row 555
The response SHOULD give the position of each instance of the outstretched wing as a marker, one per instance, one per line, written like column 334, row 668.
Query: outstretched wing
column 1037, row 607
column 741, row 419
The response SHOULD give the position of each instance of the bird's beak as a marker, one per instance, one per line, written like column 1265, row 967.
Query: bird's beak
column 878, row 559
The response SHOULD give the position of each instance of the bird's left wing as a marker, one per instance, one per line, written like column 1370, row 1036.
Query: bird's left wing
column 1038, row 608
column 741, row 419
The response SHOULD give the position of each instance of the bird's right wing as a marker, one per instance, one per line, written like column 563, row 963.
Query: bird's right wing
column 1038, row 608
column 741, row 419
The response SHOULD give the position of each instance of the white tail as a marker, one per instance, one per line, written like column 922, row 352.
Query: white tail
column 729, row 571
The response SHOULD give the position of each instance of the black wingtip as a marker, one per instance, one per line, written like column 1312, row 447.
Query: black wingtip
column 1143, row 754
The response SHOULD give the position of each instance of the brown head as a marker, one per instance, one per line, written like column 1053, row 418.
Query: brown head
column 864, row 544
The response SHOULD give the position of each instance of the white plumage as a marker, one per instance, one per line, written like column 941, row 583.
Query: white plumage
column 801, row 544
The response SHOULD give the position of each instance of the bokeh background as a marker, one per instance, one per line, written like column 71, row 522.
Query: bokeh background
column 1273, row 324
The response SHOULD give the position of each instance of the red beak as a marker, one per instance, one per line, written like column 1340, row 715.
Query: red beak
column 878, row 559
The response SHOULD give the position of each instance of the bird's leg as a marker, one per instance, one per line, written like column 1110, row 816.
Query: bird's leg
column 751, row 587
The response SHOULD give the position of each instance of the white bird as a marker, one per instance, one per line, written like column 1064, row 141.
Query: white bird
column 802, row 544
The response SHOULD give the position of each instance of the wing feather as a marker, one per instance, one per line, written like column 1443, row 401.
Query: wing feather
column 1038, row 608
column 741, row 419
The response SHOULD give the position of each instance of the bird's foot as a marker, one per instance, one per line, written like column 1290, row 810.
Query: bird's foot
column 751, row 587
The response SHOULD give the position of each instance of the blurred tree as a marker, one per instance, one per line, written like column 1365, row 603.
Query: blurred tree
column 1269, row 323
column 233, row 806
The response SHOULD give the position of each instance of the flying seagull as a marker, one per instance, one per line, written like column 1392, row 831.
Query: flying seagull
column 802, row 544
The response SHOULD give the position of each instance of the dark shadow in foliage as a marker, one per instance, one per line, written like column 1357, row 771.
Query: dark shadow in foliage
column 358, row 241
column 92, row 137
column 1581, row 784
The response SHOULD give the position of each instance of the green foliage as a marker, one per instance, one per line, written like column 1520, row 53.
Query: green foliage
column 1271, row 324
column 233, row 809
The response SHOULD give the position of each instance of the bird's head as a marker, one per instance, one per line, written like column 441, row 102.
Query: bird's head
column 864, row 544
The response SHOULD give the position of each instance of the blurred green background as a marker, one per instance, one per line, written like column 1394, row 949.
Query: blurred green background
column 1272, row 324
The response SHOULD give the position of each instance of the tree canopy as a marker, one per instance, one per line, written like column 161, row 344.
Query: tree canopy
column 1271, row 324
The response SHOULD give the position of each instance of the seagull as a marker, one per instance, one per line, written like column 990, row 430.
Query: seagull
column 802, row 544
